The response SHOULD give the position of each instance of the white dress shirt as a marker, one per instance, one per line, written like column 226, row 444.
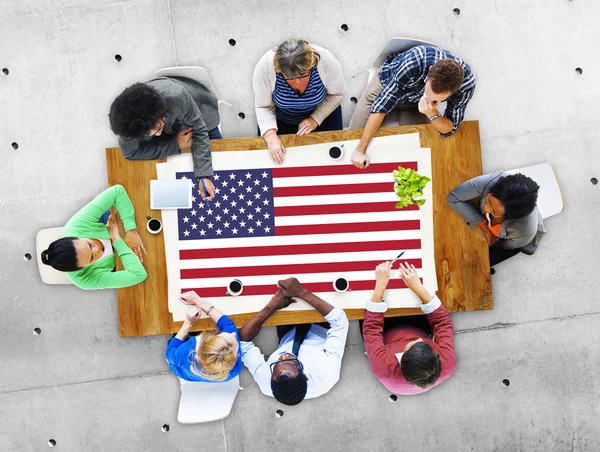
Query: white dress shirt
column 320, row 353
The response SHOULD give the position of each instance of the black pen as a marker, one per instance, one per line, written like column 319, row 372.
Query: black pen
column 397, row 257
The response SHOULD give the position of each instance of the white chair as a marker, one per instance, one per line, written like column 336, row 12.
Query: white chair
column 196, row 73
column 206, row 402
column 49, row 276
column 393, row 46
column 550, row 201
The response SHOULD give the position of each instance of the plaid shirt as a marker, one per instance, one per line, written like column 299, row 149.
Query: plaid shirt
column 403, row 77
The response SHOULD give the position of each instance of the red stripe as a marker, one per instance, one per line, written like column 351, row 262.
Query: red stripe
column 342, row 189
column 389, row 206
column 334, row 170
column 288, row 250
column 347, row 227
column 270, row 289
column 292, row 269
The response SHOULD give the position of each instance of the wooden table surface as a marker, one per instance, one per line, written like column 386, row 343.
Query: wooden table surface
column 461, row 256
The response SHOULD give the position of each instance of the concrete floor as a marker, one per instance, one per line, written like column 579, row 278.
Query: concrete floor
column 82, row 385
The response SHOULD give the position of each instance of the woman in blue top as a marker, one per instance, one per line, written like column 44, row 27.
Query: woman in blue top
column 212, row 356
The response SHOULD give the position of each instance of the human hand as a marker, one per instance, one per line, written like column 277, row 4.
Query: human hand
column 191, row 298
column 112, row 224
column 192, row 315
column 210, row 189
column 427, row 107
column 184, row 139
column 360, row 159
column 382, row 275
column 489, row 236
column 307, row 126
column 276, row 148
column 279, row 301
column 134, row 242
column 409, row 275
column 291, row 287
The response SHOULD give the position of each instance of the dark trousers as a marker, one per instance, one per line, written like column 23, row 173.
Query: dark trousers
column 417, row 321
column 215, row 134
column 331, row 122
column 282, row 330
column 498, row 255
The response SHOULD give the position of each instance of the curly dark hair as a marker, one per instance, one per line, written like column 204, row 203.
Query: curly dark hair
column 446, row 76
column 518, row 193
column 136, row 111
column 289, row 390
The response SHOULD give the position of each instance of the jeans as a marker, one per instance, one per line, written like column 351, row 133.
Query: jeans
column 331, row 122
column 498, row 255
column 104, row 218
column 215, row 134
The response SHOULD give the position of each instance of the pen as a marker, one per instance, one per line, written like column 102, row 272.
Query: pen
column 205, row 191
column 397, row 257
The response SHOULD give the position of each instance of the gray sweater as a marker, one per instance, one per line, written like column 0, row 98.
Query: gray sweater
column 517, row 233
column 189, row 105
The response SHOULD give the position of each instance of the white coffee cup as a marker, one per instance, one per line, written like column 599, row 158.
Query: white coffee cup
column 235, row 287
column 336, row 152
column 153, row 225
column 341, row 284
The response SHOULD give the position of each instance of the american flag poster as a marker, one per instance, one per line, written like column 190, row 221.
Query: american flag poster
column 314, row 218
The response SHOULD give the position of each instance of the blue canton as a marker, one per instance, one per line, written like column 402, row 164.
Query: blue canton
column 243, row 207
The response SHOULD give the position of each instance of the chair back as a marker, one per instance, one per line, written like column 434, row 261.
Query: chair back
column 196, row 73
column 396, row 45
column 550, row 200
column 48, row 275
column 206, row 402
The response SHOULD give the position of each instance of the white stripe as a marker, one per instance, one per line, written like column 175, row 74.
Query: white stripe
column 355, row 256
column 272, row 279
column 300, row 239
column 338, row 179
column 348, row 198
column 346, row 218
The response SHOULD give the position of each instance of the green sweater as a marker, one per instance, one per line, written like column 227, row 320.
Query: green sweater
column 85, row 224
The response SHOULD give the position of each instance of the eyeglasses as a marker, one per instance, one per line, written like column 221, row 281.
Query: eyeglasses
column 300, row 366
column 488, row 201
column 153, row 134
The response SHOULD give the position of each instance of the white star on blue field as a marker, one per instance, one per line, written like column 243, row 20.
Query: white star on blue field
column 243, row 207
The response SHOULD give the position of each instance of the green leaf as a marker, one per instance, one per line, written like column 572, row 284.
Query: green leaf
column 408, row 185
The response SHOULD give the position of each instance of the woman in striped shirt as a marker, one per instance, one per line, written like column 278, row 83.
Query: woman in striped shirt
column 298, row 88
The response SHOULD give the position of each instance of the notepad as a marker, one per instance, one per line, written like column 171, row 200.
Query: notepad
column 171, row 194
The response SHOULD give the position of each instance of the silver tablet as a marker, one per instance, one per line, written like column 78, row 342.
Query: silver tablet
column 171, row 194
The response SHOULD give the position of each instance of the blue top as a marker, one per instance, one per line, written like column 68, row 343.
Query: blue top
column 179, row 353
column 292, row 108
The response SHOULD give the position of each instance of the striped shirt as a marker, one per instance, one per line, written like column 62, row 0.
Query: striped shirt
column 404, row 75
column 292, row 108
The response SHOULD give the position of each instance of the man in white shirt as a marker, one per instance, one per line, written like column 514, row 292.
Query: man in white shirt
column 308, row 361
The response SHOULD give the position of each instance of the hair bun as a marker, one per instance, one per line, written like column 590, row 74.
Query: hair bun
column 45, row 257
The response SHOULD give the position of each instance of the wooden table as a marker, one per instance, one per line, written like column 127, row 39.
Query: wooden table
column 461, row 256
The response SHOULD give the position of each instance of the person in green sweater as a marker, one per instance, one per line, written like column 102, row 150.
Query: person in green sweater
column 87, row 247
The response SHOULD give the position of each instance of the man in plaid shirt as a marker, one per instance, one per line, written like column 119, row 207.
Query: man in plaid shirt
column 414, row 83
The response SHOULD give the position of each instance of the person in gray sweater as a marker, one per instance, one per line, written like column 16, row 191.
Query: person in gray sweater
column 164, row 116
column 504, row 207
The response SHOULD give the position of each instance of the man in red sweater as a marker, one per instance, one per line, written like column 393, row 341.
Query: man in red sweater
column 404, row 357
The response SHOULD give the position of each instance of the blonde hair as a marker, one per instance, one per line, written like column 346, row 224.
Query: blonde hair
column 215, row 356
column 294, row 58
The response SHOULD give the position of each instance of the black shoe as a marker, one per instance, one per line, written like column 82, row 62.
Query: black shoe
column 492, row 271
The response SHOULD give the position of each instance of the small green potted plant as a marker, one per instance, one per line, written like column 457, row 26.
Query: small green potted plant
column 408, row 185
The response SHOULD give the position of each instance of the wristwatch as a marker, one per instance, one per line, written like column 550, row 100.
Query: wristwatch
column 434, row 117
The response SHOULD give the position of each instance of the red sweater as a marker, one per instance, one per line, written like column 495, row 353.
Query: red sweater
column 382, row 348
